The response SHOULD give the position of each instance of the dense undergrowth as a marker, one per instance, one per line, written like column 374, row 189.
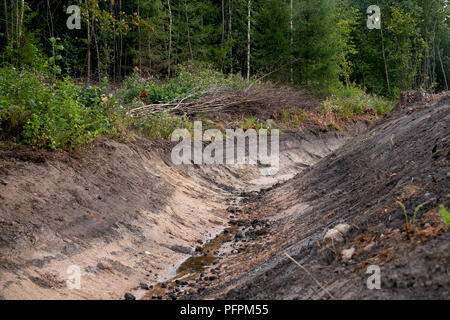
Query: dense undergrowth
column 49, row 113
column 341, row 105
column 39, row 109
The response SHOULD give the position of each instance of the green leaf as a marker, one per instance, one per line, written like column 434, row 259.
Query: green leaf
column 445, row 215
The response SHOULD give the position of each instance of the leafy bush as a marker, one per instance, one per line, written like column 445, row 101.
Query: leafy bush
column 132, row 87
column 54, row 114
column 189, row 81
column 348, row 102
column 65, row 122
column 21, row 91
column 91, row 96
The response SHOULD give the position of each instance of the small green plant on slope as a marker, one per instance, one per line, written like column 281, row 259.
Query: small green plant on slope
column 162, row 125
column 445, row 215
column 410, row 222
column 252, row 123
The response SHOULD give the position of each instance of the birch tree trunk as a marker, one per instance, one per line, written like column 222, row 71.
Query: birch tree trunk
column 170, row 35
column 291, row 27
column 230, row 33
column 384, row 58
column 98, row 53
column 249, row 39
column 89, row 43
column 22, row 9
column 442, row 67
column 6, row 21
column 188, row 31
column 113, row 13
column 17, row 22
column 139, row 36
column 121, row 43
column 223, row 22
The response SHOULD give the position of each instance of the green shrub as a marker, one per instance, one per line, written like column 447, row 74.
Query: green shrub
column 21, row 91
column 54, row 114
column 89, row 96
column 189, row 81
column 65, row 123
column 132, row 87
column 350, row 101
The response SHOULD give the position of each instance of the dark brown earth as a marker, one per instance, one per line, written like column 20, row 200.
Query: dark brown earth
column 406, row 158
column 129, row 218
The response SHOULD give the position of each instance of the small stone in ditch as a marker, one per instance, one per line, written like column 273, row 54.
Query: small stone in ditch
column 129, row 296
column 347, row 254
column 144, row 286
column 172, row 296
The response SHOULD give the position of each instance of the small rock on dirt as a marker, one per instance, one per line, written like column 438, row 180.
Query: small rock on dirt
column 333, row 236
column 347, row 254
column 104, row 267
column 129, row 296
column 144, row 286
column 343, row 228
column 369, row 246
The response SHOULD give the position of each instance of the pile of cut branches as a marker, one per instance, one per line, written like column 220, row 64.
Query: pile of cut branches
column 206, row 102
column 260, row 101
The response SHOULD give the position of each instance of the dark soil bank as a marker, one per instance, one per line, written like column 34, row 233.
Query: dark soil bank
column 405, row 157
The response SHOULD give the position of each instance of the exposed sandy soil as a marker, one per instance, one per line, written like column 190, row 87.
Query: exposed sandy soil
column 127, row 216
column 116, row 211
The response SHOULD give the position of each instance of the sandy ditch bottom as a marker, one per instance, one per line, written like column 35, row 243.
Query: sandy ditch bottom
column 123, row 215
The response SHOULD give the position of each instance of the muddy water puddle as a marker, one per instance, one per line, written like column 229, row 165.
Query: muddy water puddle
column 193, row 269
